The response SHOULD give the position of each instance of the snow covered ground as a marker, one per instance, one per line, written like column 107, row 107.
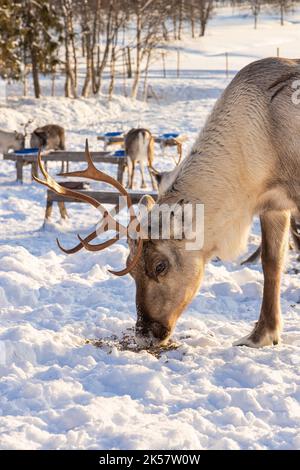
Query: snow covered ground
column 56, row 391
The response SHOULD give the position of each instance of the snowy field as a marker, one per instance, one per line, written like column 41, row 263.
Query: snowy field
column 58, row 392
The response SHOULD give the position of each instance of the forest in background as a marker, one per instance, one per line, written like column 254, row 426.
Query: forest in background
column 106, row 36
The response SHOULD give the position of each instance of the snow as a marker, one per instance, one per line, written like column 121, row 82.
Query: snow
column 59, row 391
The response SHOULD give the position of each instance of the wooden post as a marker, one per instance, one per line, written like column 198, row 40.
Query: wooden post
column 164, row 64
column 178, row 63
column 278, row 52
column 227, row 64
column 19, row 168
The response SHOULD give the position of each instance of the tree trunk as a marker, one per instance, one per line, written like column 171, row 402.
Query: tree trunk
column 174, row 17
column 53, row 74
column 88, row 74
column 181, row 5
column 129, row 68
column 102, row 64
column 192, row 13
column 137, row 74
column 95, row 36
column 70, row 71
column 145, row 93
column 202, row 28
column 112, row 73
column 282, row 14
column 72, row 40
column 35, row 73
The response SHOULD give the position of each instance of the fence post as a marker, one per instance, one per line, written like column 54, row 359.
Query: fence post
column 227, row 64
column 178, row 63
column 164, row 64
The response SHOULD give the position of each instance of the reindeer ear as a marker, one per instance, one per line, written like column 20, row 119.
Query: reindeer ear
column 147, row 201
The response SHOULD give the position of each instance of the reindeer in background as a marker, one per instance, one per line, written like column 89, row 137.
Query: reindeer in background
column 245, row 161
column 50, row 137
column 139, row 148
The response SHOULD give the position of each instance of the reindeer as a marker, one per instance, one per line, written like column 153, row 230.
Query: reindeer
column 49, row 137
column 11, row 141
column 245, row 161
column 139, row 147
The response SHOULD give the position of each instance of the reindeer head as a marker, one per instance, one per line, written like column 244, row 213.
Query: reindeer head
column 19, row 141
column 167, row 277
column 165, row 273
column 164, row 179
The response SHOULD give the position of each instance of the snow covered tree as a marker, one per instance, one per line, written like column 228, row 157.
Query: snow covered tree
column 40, row 36
column 10, row 57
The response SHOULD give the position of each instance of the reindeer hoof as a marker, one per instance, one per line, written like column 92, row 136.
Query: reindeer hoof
column 259, row 339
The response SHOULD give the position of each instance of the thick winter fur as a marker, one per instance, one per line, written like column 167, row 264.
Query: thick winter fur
column 139, row 147
column 245, row 161
column 11, row 141
column 49, row 137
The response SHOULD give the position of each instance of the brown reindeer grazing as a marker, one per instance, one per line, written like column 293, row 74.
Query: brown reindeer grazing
column 139, row 147
column 50, row 137
column 245, row 161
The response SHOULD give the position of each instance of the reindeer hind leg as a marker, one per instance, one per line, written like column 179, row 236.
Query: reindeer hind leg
column 143, row 185
column 254, row 257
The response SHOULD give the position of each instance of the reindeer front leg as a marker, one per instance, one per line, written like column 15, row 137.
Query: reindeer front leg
column 275, row 230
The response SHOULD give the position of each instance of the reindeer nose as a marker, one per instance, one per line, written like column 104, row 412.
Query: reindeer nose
column 159, row 331
column 152, row 329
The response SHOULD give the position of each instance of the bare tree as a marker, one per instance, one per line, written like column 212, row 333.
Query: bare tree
column 149, row 33
column 102, row 60
column 180, row 18
column 284, row 6
column 255, row 8
column 118, row 20
column 70, row 49
column 205, row 11
column 192, row 17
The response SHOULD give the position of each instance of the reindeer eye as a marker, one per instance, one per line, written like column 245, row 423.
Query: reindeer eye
column 161, row 267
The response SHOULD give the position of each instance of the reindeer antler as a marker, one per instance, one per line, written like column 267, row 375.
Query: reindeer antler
column 92, row 172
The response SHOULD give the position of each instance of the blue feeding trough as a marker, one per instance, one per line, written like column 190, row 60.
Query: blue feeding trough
column 170, row 135
column 120, row 153
column 28, row 151
column 113, row 134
